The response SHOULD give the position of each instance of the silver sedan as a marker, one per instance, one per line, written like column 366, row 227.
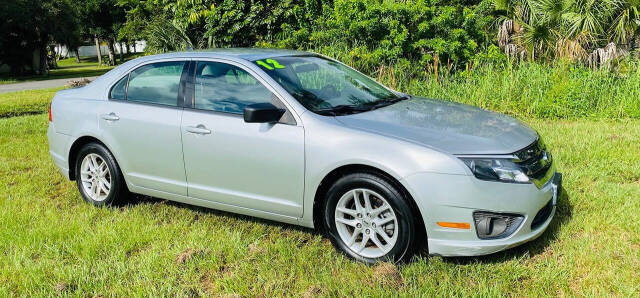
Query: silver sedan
column 300, row 138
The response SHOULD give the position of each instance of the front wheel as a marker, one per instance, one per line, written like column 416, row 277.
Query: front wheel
column 369, row 219
column 98, row 176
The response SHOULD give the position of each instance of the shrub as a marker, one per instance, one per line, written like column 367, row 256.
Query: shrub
column 369, row 33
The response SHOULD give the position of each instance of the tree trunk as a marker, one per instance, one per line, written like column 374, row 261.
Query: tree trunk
column 55, row 55
column 112, row 52
column 122, row 47
column 98, row 50
column 77, row 55
column 43, row 60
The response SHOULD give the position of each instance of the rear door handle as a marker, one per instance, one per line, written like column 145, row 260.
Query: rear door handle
column 110, row 117
column 200, row 129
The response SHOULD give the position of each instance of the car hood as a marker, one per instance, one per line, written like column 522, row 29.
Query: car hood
column 447, row 126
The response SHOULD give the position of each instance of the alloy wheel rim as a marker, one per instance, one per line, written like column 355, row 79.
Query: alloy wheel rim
column 366, row 223
column 95, row 177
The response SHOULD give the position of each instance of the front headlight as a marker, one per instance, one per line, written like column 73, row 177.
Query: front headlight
column 503, row 170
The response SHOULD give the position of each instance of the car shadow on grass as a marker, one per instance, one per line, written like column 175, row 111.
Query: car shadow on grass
column 137, row 199
column 539, row 246
column 563, row 215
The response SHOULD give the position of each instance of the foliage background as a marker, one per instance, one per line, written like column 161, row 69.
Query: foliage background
column 366, row 33
column 533, row 58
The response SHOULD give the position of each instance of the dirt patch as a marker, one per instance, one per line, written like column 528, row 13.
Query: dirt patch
column 185, row 256
column 226, row 271
column 134, row 251
column 60, row 287
column 255, row 248
column 312, row 291
column 387, row 274
column 207, row 281
column 63, row 287
column 545, row 254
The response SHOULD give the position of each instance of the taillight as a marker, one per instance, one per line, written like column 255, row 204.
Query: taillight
column 50, row 117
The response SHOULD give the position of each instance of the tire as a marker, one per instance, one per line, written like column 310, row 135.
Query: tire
column 397, row 220
column 87, row 175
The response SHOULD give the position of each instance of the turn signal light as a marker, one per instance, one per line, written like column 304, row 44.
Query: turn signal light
column 455, row 225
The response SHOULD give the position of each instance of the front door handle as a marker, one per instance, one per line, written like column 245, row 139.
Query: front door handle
column 110, row 117
column 200, row 129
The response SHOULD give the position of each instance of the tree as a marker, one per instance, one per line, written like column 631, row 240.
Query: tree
column 28, row 29
column 103, row 18
column 183, row 24
column 624, row 28
column 592, row 31
column 67, row 30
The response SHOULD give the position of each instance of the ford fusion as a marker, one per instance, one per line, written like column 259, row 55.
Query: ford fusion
column 300, row 138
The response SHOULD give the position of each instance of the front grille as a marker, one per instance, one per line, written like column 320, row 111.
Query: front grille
column 534, row 160
column 542, row 215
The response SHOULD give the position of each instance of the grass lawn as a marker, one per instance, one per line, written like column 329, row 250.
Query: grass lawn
column 52, row 243
column 26, row 102
column 68, row 68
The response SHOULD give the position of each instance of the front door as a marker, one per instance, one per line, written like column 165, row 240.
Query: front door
column 141, row 123
column 259, row 166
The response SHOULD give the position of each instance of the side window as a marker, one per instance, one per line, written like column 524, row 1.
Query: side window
column 119, row 89
column 156, row 83
column 226, row 88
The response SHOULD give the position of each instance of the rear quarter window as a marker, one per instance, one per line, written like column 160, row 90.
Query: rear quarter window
column 156, row 83
column 119, row 90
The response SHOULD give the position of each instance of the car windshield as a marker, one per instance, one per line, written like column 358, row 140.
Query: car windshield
column 327, row 87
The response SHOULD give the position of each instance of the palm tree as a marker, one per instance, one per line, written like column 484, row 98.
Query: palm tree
column 525, row 27
column 593, row 31
column 624, row 28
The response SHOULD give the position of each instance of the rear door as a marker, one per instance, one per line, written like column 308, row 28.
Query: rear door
column 258, row 166
column 141, row 124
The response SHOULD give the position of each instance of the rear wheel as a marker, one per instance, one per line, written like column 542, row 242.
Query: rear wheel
column 369, row 219
column 98, row 176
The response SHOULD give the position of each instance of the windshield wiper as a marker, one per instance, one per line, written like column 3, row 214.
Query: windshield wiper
column 342, row 110
column 353, row 109
column 388, row 101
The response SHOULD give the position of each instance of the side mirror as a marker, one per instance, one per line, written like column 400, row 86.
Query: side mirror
column 262, row 113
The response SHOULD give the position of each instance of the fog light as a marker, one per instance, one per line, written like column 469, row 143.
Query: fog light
column 495, row 225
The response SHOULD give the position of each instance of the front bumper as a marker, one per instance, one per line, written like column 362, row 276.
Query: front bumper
column 454, row 198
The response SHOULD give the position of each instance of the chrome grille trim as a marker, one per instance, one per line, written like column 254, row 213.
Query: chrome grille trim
column 536, row 162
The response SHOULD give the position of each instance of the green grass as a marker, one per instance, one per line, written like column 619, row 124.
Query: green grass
column 52, row 243
column 26, row 102
column 561, row 91
column 68, row 68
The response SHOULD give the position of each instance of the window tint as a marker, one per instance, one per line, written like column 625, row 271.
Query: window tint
column 226, row 88
column 119, row 89
column 156, row 83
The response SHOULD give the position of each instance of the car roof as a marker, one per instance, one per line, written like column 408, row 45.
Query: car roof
column 249, row 54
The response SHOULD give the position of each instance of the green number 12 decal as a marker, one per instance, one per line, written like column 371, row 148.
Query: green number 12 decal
column 274, row 64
